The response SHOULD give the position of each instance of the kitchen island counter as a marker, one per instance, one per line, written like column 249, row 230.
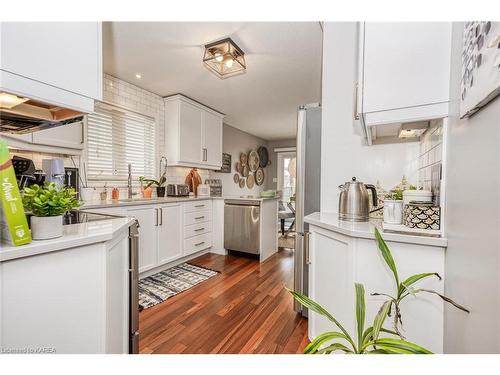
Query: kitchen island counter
column 74, row 236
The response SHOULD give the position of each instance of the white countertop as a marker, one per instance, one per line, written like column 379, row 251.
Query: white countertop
column 145, row 201
column 75, row 235
column 330, row 221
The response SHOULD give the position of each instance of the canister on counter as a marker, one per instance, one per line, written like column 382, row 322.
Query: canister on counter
column 422, row 215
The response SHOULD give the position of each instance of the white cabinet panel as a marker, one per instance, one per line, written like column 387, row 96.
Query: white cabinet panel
column 212, row 132
column 404, row 65
column 194, row 244
column 68, row 136
column 148, row 223
column 66, row 55
column 190, row 140
column 198, row 205
column 170, row 233
column 197, row 217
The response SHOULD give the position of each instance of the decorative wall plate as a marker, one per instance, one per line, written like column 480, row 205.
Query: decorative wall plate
column 263, row 156
column 259, row 176
column 243, row 158
column 239, row 167
column 250, row 181
column 242, row 183
column 253, row 160
column 236, row 178
column 245, row 171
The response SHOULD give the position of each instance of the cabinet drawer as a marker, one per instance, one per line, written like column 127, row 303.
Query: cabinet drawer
column 197, row 243
column 200, row 205
column 197, row 229
column 191, row 218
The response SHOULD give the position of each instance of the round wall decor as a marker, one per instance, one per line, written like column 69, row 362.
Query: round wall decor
column 250, row 181
column 242, row 183
column 253, row 160
column 236, row 178
column 259, row 176
column 245, row 171
column 263, row 156
column 243, row 158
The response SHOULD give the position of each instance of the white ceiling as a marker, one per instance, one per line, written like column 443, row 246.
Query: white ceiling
column 283, row 68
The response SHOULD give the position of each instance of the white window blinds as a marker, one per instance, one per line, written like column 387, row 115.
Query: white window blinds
column 116, row 137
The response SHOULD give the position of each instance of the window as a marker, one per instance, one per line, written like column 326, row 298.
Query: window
column 117, row 137
column 286, row 174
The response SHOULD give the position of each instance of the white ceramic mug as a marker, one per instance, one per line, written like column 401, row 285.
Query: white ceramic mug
column 393, row 212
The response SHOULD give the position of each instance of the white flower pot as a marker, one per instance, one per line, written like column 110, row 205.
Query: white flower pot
column 45, row 228
column 393, row 211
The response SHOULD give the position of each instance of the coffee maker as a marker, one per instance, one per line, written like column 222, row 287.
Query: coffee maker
column 54, row 170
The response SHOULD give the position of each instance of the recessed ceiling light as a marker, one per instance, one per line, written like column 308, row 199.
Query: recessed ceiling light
column 138, row 76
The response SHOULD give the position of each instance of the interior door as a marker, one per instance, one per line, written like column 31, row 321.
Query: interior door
column 190, row 133
column 148, row 224
column 169, row 233
column 212, row 131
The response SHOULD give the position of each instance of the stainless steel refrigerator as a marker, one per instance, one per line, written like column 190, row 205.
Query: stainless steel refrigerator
column 308, row 189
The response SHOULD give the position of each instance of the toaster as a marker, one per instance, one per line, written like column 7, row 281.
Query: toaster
column 177, row 190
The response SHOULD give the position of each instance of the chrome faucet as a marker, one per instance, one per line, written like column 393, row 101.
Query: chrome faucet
column 129, row 184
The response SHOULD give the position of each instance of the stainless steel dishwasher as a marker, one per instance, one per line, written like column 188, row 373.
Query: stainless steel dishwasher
column 242, row 226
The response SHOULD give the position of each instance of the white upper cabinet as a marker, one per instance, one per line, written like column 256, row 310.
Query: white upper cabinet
column 212, row 144
column 67, row 136
column 54, row 62
column 193, row 134
column 404, row 72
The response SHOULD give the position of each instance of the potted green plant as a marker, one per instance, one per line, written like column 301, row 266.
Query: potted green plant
column 48, row 204
column 159, row 184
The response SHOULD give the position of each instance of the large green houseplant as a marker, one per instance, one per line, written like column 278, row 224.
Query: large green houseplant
column 48, row 204
column 368, row 340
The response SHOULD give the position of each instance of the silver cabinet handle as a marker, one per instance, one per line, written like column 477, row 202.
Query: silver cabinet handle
column 156, row 221
column 355, row 111
column 199, row 217
column 161, row 216
column 199, row 229
column 205, row 154
column 199, row 243
column 306, row 247
column 199, row 205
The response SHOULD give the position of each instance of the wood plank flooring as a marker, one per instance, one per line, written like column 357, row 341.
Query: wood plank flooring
column 245, row 309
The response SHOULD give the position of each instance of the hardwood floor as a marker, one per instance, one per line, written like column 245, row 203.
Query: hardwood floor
column 245, row 309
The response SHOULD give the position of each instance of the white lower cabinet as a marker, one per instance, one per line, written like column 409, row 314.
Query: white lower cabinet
column 169, row 233
column 148, row 228
column 338, row 261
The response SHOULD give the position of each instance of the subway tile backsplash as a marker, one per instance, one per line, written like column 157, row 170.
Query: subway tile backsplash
column 431, row 153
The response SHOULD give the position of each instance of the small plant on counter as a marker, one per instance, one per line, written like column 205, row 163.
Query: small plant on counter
column 159, row 184
column 48, row 204
column 368, row 339
column 405, row 288
column 394, row 195
column 48, row 200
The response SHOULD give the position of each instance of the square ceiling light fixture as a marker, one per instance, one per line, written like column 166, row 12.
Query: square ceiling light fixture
column 224, row 58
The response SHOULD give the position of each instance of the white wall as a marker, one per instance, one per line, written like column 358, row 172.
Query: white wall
column 344, row 153
column 473, row 222
column 236, row 141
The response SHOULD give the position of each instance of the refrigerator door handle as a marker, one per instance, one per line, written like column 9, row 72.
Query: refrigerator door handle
column 307, row 248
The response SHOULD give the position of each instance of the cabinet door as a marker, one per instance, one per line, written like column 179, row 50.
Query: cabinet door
column 190, row 133
column 148, row 224
column 212, row 132
column 330, row 259
column 406, row 64
column 66, row 55
column 170, row 233
column 69, row 136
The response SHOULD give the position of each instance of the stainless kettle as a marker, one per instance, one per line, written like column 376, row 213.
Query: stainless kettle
column 354, row 201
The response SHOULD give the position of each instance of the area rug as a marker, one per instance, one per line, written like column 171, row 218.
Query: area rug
column 163, row 285
column 287, row 242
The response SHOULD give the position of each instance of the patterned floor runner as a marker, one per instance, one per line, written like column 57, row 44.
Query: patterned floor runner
column 163, row 285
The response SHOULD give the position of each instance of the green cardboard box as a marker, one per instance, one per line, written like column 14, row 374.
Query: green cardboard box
column 13, row 223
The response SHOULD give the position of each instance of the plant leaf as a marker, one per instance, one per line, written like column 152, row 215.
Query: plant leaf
column 413, row 279
column 333, row 347
column 387, row 343
column 317, row 308
column 360, row 311
column 444, row 298
column 380, row 318
column 318, row 341
column 367, row 336
column 386, row 254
